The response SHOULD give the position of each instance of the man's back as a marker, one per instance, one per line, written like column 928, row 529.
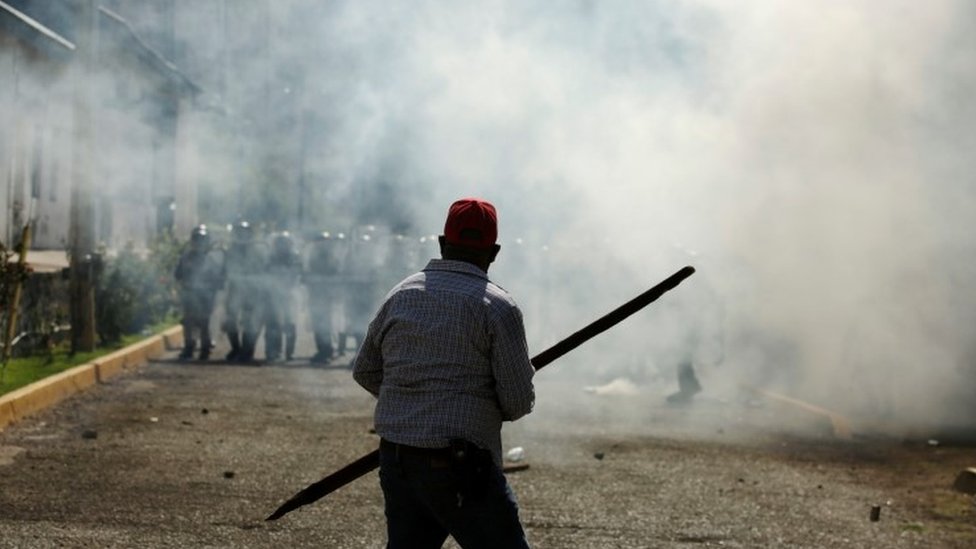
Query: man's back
column 453, row 359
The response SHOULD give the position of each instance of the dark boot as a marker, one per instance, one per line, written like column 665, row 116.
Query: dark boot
column 248, row 342
column 272, row 344
column 235, row 346
column 291, row 335
column 187, row 352
column 687, row 380
column 323, row 355
column 205, row 347
column 206, row 344
column 323, row 342
column 688, row 385
column 188, row 342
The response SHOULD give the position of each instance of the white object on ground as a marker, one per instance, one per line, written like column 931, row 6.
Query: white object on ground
column 619, row 386
column 515, row 454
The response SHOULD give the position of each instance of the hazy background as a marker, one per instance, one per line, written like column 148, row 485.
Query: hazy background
column 812, row 160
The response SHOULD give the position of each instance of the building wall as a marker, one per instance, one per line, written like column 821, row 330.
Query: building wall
column 34, row 150
column 54, row 208
column 137, row 102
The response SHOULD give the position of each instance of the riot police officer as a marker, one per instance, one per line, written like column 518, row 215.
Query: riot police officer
column 321, row 282
column 401, row 260
column 199, row 279
column 281, row 279
column 362, row 291
column 245, row 264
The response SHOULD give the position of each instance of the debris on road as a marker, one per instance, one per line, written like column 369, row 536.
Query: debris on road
column 514, row 467
column 875, row 513
column 89, row 434
column 619, row 386
column 599, row 455
column 966, row 481
column 229, row 474
column 515, row 454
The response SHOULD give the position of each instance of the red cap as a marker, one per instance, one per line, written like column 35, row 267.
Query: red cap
column 472, row 223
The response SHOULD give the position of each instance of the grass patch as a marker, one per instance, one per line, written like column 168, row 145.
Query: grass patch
column 20, row 372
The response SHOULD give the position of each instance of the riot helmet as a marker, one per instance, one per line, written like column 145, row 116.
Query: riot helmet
column 242, row 233
column 283, row 244
column 199, row 237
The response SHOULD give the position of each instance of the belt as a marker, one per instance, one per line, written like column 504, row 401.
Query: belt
column 404, row 450
column 435, row 458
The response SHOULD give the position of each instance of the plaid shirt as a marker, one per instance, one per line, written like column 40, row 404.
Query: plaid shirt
column 447, row 357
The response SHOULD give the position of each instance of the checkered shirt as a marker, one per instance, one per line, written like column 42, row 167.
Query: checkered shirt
column 447, row 358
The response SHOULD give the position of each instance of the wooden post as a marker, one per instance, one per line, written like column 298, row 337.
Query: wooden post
column 22, row 248
column 82, row 210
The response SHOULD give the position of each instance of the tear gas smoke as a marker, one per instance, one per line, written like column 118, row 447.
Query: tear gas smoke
column 811, row 161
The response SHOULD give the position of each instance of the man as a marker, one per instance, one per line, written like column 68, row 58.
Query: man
column 360, row 288
column 245, row 266
column 281, row 278
column 321, row 278
column 447, row 358
column 199, row 279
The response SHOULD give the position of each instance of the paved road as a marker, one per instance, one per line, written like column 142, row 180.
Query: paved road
column 196, row 455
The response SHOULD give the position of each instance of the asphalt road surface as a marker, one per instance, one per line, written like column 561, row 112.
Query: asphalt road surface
column 197, row 455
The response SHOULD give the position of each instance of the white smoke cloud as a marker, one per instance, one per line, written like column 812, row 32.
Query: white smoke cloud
column 811, row 159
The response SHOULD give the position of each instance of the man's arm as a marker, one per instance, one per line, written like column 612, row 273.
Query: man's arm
column 511, row 367
column 368, row 365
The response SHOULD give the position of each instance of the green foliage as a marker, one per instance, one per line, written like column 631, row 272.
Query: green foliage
column 26, row 370
column 136, row 290
column 165, row 252
column 44, row 315
column 11, row 274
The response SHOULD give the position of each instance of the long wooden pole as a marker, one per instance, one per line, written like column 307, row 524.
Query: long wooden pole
column 370, row 461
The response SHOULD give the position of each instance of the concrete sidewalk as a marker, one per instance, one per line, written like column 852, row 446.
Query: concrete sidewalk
column 40, row 395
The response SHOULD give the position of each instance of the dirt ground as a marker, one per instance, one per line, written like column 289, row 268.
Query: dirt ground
column 196, row 455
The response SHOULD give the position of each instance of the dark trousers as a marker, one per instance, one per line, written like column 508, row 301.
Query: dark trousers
column 428, row 497
column 242, row 312
column 197, row 308
column 277, row 331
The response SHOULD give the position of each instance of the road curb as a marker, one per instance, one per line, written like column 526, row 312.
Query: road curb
column 45, row 393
